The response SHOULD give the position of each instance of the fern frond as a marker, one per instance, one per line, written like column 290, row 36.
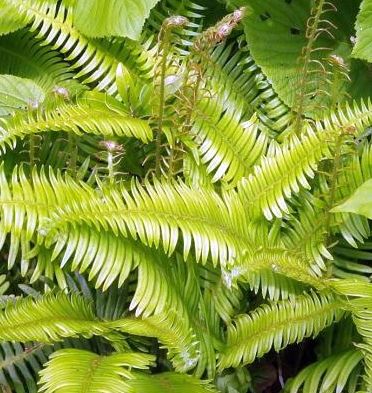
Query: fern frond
column 53, row 23
column 328, row 375
column 201, row 216
column 175, row 383
column 47, row 319
column 18, row 363
column 91, row 114
column 228, row 147
column 23, row 55
column 170, row 330
column 76, row 371
column 276, row 326
column 235, row 77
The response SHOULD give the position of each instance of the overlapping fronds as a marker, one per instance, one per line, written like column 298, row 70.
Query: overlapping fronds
column 234, row 76
column 76, row 371
column 201, row 216
column 329, row 375
column 19, row 363
column 278, row 325
column 23, row 55
column 280, row 176
column 95, row 63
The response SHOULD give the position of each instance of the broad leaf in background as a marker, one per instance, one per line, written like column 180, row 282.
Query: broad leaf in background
column 18, row 93
column 284, row 23
column 363, row 27
column 100, row 18
column 10, row 20
column 360, row 202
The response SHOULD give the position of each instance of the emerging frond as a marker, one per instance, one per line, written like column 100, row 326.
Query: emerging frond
column 278, row 325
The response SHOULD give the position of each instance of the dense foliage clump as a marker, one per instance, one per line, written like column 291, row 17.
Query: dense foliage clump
column 185, row 196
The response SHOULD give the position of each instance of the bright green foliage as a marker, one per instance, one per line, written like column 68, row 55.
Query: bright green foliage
column 360, row 202
column 184, row 196
column 362, row 48
column 252, row 335
column 84, row 371
column 17, row 93
column 96, row 18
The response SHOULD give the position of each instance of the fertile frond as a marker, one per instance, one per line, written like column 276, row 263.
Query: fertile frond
column 280, row 175
column 328, row 375
column 90, row 114
column 47, row 319
column 278, row 325
column 76, row 371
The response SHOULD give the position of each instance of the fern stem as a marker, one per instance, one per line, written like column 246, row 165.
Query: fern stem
column 32, row 149
column 72, row 153
column 166, row 46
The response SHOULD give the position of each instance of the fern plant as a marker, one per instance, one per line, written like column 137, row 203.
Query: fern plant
column 182, row 196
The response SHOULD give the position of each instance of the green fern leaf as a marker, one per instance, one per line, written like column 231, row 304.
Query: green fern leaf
column 326, row 376
column 48, row 319
column 278, row 325
column 76, row 371
column 91, row 114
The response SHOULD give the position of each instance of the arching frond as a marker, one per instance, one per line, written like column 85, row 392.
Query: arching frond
column 278, row 325
column 170, row 330
column 76, row 371
column 202, row 217
column 48, row 319
column 328, row 375
column 91, row 114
